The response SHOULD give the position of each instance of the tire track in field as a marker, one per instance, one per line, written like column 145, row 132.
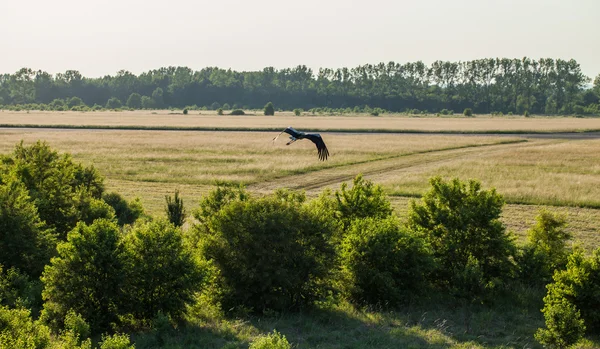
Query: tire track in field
column 318, row 180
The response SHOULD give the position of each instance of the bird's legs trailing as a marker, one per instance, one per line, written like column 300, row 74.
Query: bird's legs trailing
column 293, row 139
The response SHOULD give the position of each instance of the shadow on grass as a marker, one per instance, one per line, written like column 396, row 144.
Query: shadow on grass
column 510, row 323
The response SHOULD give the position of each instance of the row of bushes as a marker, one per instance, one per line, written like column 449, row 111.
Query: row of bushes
column 279, row 252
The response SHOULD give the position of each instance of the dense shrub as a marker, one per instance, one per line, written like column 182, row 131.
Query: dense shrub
column 20, row 290
column 460, row 222
column 19, row 331
column 126, row 212
column 86, row 276
column 364, row 199
column 269, row 109
column 237, row 112
column 271, row 252
column 161, row 274
column 219, row 111
column 298, row 111
column 383, row 264
column 545, row 250
column 113, row 103
column 273, row 340
column 579, row 284
column 175, row 209
column 24, row 241
column 56, row 184
column 468, row 112
column 564, row 326
column 185, row 111
column 116, row 341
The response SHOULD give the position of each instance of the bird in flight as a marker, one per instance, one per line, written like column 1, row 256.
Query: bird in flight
column 314, row 137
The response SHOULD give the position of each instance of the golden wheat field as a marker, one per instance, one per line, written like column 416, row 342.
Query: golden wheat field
column 209, row 119
column 561, row 174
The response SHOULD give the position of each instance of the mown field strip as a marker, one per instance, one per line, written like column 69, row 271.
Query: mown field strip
column 332, row 177
column 208, row 120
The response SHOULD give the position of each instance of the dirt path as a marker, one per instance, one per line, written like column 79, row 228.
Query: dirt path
column 332, row 177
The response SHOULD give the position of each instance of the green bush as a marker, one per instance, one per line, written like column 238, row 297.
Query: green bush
column 383, row 264
column 298, row 112
column 113, row 103
column 226, row 106
column 215, row 106
column 161, row 274
column 546, row 249
column 271, row 253
column 19, row 331
column 237, row 112
column 269, row 109
column 116, row 341
column 55, row 183
column 526, row 114
column 468, row 112
column 579, row 284
column 86, row 276
column 460, row 222
column 219, row 111
column 273, row 340
column 364, row 199
column 175, row 209
column 126, row 212
column 24, row 241
column 20, row 290
column 185, row 112
column 564, row 326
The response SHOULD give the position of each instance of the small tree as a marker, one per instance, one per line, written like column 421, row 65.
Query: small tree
column 75, row 102
column 269, row 109
column 226, row 106
column 219, row 111
column 162, row 275
column 297, row 112
column 126, row 212
column 460, row 221
column 158, row 98
column 134, row 101
column 215, row 106
column 147, row 102
column 86, row 276
column 185, row 111
column 175, row 209
column 364, row 199
column 468, row 112
column 113, row 103
column 564, row 326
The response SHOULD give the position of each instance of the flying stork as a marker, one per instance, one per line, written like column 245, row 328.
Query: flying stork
column 314, row 137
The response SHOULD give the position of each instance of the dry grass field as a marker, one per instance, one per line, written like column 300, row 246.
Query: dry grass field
column 563, row 174
column 255, row 119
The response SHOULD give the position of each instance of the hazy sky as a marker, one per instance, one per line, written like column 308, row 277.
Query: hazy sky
column 102, row 37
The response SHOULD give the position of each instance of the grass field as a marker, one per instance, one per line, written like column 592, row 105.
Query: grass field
column 559, row 174
column 209, row 119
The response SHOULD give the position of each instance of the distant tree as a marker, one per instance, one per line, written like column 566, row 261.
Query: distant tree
column 58, row 104
column 237, row 112
column 226, row 106
column 126, row 212
column 157, row 97
column 147, row 102
column 134, row 101
column 74, row 102
column 185, row 111
column 468, row 112
column 215, row 106
column 297, row 111
column 113, row 103
column 269, row 109
column 219, row 111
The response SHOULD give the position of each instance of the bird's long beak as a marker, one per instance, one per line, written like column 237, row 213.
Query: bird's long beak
column 274, row 139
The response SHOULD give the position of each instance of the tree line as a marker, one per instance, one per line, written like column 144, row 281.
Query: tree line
column 492, row 85
column 78, row 262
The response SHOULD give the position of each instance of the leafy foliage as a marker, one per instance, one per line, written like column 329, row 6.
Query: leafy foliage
column 273, row 340
column 269, row 109
column 468, row 112
column 460, row 222
column 113, row 103
column 161, row 274
column 271, row 252
column 86, row 276
column 382, row 263
column 237, row 112
column 19, row 331
column 126, row 212
column 175, row 209
column 564, row 325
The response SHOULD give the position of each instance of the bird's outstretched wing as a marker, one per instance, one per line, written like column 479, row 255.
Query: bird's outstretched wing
column 321, row 147
column 289, row 131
